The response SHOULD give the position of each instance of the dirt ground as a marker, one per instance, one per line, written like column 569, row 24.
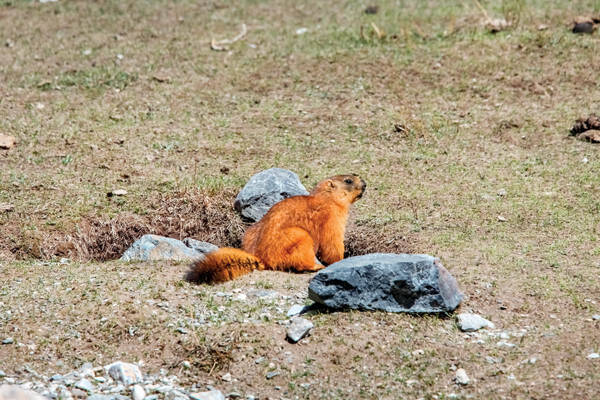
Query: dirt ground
column 461, row 134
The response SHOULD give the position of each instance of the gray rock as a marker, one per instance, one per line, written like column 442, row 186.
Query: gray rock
column 8, row 340
column 596, row 317
column 211, row 395
column 84, row 384
column 126, row 373
column 414, row 283
column 296, row 309
column 265, row 189
column 272, row 374
column 472, row 322
column 138, row 392
column 593, row 356
column 12, row 392
column 155, row 247
column 461, row 377
column 298, row 329
column 98, row 396
column 200, row 247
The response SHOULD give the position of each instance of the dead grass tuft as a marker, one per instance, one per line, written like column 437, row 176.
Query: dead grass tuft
column 212, row 355
column 365, row 238
column 193, row 213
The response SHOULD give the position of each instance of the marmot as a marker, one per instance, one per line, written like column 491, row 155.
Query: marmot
column 292, row 236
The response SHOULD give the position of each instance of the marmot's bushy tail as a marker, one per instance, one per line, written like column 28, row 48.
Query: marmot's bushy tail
column 222, row 265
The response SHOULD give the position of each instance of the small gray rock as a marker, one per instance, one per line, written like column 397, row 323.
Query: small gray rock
column 155, row 248
column 138, row 392
column 593, row 356
column 272, row 374
column 596, row 317
column 265, row 189
column 414, row 283
column 472, row 322
column 2, row 374
column 126, row 373
column 295, row 310
column 461, row 377
column 13, row 392
column 200, row 247
column 84, row 384
column 298, row 329
column 210, row 395
column 8, row 340
column 98, row 396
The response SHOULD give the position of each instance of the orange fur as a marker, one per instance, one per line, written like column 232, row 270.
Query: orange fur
column 293, row 235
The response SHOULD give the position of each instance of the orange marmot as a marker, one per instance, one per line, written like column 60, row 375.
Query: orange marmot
column 293, row 236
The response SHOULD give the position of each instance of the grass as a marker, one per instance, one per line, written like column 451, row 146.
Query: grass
column 439, row 117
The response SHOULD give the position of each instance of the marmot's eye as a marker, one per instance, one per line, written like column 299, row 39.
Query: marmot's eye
column 348, row 181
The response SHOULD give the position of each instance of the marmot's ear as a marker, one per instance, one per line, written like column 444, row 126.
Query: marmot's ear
column 330, row 184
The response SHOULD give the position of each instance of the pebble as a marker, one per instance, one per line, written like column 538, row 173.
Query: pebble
column 126, row 373
column 593, row 356
column 596, row 317
column 272, row 374
column 295, row 310
column 226, row 377
column 473, row 322
column 461, row 377
column 84, row 384
column 138, row 392
column 8, row 340
column 2, row 374
column 211, row 395
column 298, row 329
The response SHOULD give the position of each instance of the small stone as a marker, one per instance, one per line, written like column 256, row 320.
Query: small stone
column 84, row 384
column 210, row 395
column 501, row 218
column 272, row 374
column 298, row 329
column 8, row 340
column 87, row 52
column 7, row 142
column 200, row 247
column 226, row 377
column 186, row 364
column 2, row 374
column 117, row 192
column 295, row 310
column 472, row 322
column 461, row 377
column 501, row 192
column 596, row 317
column 138, row 392
column 301, row 31
column 79, row 393
column 182, row 330
column 593, row 356
column 240, row 297
column 125, row 373
column 259, row 360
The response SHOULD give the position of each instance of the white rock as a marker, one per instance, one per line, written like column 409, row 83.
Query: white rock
column 138, row 392
column 295, row 310
column 461, row 377
column 298, row 329
column 84, row 384
column 226, row 377
column 126, row 373
column 301, row 31
column 472, row 322
column 10, row 392
column 593, row 356
column 596, row 317
column 211, row 395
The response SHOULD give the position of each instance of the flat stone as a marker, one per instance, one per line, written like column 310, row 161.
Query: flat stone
column 157, row 248
column 13, row 392
column 298, row 329
column 84, row 384
column 210, row 395
column 593, row 356
column 461, row 377
column 472, row 322
column 8, row 340
column 596, row 317
column 296, row 309
column 265, row 189
column 125, row 373
column 200, row 247
column 414, row 283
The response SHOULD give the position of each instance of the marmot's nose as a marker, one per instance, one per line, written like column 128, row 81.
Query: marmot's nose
column 364, row 184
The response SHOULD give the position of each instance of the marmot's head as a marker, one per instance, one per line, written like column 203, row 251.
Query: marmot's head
column 345, row 187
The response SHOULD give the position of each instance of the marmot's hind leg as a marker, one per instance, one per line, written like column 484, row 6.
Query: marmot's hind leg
column 292, row 250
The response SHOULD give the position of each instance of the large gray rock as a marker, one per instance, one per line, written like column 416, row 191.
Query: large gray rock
column 265, row 189
column 155, row 247
column 414, row 283
column 126, row 373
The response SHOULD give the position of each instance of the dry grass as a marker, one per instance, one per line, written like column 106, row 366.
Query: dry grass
column 451, row 126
